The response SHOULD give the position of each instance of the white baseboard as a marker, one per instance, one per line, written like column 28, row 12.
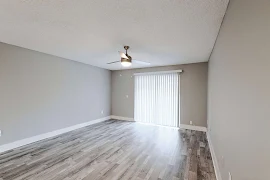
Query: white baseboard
column 182, row 126
column 122, row 118
column 195, row 128
column 26, row 141
column 148, row 124
column 214, row 157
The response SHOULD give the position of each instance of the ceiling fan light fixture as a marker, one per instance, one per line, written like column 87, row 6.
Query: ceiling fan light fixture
column 126, row 63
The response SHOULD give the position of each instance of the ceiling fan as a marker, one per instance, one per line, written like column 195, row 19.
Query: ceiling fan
column 126, row 60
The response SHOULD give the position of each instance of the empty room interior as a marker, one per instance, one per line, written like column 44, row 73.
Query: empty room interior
column 134, row 90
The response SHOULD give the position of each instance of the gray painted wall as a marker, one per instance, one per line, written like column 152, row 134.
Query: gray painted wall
column 40, row 93
column 239, row 91
column 193, row 92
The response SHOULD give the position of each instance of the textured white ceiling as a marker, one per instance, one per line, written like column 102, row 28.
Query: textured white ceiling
column 163, row 32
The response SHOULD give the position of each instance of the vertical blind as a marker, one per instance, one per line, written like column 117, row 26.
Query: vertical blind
column 157, row 99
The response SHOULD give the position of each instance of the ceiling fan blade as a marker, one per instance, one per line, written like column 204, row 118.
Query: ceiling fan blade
column 141, row 62
column 113, row 62
column 123, row 55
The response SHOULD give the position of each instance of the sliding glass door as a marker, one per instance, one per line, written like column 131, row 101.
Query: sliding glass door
column 157, row 99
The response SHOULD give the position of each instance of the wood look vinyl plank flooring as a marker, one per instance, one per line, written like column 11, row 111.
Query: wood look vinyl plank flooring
column 113, row 150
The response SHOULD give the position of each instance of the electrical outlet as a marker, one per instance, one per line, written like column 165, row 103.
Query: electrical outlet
column 102, row 112
column 120, row 74
column 126, row 96
column 190, row 122
column 0, row 133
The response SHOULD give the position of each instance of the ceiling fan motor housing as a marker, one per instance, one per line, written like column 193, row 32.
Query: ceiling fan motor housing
column 126, row 60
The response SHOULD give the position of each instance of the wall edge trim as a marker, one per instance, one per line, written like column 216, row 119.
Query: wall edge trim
column 214, row 157
column 22, row 142
column 195, row 128
column 122, row 118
